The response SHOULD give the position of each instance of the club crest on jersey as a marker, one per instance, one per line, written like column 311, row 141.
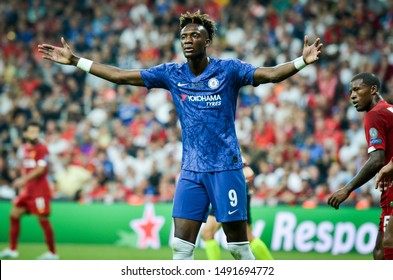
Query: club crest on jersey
column 374, row 137
column 213, row 83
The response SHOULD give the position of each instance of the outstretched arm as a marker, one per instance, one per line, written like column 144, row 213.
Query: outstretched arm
column 369, row 169
column 285, row 70
column 64, row 55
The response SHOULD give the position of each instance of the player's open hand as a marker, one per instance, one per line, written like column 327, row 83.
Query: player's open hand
column 384, row 178
column 311, row 53
column 337, row 197
column 61, row 55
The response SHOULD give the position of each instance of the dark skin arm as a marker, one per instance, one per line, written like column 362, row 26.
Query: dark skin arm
column 368, row 171
column 64, row 55
column 285, row 70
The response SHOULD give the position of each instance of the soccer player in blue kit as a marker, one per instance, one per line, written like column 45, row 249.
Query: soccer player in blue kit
column 204, row 91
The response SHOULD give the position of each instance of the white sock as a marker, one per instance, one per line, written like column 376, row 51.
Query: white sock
column 241, row 250
column 182, row 250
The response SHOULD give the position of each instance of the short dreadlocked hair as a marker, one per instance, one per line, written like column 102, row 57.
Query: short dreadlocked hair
column 198, row 18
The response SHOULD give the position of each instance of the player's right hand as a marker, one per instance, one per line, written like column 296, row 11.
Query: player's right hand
column 338, row 197
column 18, row 183
column 384, row 178
column 383, row 185
column 62, row 55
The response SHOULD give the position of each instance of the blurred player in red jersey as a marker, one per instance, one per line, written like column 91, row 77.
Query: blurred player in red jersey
column 378, row 126
column 384, row 180
column 34, row 193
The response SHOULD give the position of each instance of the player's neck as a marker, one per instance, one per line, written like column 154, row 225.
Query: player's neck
column 375, row 101
column 198, row 65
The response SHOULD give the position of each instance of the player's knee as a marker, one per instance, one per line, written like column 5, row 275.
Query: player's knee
column 387, row 241
column 16, row 212
column 182, row 250
column 240, row 250
column 207, row 234
column 235, row 231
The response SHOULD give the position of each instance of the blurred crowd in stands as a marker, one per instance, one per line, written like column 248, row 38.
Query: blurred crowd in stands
column 114, row 143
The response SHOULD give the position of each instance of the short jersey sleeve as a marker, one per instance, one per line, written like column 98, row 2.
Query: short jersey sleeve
column 156, row 77
column 243, row 72
column 375, row 130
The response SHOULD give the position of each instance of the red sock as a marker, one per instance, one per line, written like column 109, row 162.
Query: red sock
column 388, row 253
column 49, row 236
column 14, row 232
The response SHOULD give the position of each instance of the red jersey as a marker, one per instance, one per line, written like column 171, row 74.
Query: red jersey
column 34, row 156
column 378, row 126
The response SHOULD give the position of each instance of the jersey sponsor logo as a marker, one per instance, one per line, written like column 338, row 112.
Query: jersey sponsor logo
column 213, row 83
column 203, row 98
column 179, row 84
column 211, row 100
column 29, row 163
column 183, row 97
column 232, row 212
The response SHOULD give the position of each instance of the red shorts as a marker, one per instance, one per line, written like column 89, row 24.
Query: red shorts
column 384, row 218
column 34, row 205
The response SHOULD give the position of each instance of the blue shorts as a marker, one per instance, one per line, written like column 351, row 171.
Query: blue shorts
column 225, row 190
column 249, row 221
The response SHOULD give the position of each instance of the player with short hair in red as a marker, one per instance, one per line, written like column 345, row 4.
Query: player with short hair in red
column 34, row 196
column 378, row 126
column 384, row 181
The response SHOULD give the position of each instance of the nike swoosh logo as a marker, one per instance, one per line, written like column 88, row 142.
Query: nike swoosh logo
column 231, row 212
column 180, row 84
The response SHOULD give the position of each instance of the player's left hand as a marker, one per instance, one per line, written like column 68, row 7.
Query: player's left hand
column 337, row 197
column 311, row 53
column 18, row 183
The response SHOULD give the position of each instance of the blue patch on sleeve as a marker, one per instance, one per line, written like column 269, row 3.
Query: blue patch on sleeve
column 376, row 141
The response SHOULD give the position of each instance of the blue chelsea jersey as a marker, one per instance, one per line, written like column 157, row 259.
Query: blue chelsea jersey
column 206, row 106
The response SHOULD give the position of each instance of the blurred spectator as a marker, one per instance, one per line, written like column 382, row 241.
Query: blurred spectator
column 305, row 139
column 71, row 181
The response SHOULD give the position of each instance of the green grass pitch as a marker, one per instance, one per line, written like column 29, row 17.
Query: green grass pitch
column 30, row 251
